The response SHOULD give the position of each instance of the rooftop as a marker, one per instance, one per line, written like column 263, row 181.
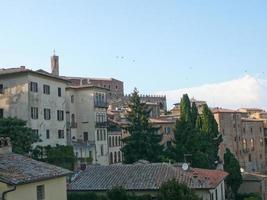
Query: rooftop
column 23, row 69
column 143, row 177
column 16, row 169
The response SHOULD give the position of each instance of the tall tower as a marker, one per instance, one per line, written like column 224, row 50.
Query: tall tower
column 55, row 64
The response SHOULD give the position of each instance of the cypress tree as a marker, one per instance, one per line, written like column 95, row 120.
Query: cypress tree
column 144, row 139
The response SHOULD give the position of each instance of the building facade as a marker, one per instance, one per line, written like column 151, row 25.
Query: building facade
column 39, row 99
column 244, row 137
column 87, row 110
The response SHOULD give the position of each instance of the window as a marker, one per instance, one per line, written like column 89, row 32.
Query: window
column 119, row 141
column 113, row 142
column 252, row 144
column 251, row 130
column 101, row 135
column 110, row 158
column 261, row 141
column 59, row 92
column 1, row 89
column 1, row 113
column 47, row 114
column 40, row 191
column 60, row 134
column 116, row 141
column 119, row 156
column 115, row 157
column 34, row 87
column 244, row 144
column 72, row 98
column 244, row 130
column 249, row 157
column 46, row 89
column 85, row 136
column 104, row 133
column 47, row 134
column 90, row 154
column 109, row 141
column 97, row 135
column 60, row 115
column 102, row 150
column 260, row 129
column 34, row 112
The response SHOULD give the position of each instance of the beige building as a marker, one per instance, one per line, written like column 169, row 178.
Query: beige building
column 244, row 137
column 87, row 110
column 22, row 178
column 38, row 98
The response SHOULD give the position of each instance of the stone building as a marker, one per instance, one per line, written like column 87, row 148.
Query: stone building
column 115, row 87
column 38, row 98
column 244, row 137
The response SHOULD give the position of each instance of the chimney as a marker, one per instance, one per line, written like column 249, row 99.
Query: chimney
column 5, row 145
column 55, row 64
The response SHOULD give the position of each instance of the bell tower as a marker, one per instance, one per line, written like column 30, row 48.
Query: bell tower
column 55, row 64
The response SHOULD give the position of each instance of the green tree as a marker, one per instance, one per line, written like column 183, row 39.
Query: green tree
column 117, row 193
column 60, row 155
column 234, row 179
column 172, row 190
column 197, row 135
column 20, row 135
column 144, row 139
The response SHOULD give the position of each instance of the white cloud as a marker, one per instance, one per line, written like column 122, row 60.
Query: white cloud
column 246, row 91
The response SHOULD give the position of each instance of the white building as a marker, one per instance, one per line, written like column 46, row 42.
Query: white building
column 38, row 98
column 87, row 109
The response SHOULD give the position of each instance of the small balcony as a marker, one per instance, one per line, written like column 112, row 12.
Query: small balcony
column 101, row 104
column 101, row 124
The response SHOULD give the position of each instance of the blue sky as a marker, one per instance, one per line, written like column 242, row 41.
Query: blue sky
column 154, row 45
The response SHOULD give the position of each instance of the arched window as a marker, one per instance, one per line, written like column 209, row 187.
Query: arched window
column 111, row 158
column 109, row 141
column 101, row 135
column 104, row 134
column 120, row 141
column 97, row 132
column 113, row 142
column 116, row 141
column 119, row 156
column 115, row 157
column 244, row 144
column 252, row 144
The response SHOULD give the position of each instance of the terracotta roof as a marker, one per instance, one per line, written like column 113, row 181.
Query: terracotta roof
column 143, row 177
column 223, row 110
column 16, row 169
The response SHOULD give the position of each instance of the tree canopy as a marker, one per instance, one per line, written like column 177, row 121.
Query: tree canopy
column 172, row 190
column 143, row 142
column 20, row 135
column 196, row 135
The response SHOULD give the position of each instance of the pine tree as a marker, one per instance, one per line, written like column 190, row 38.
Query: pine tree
column 234, row 179
column 143, row 142
column 196, row 134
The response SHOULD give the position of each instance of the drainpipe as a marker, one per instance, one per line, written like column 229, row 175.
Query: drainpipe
column 7, row 191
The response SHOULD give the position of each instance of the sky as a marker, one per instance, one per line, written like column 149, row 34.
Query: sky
column 159, row 46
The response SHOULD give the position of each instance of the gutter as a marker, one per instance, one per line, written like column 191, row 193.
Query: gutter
column 8, row 191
